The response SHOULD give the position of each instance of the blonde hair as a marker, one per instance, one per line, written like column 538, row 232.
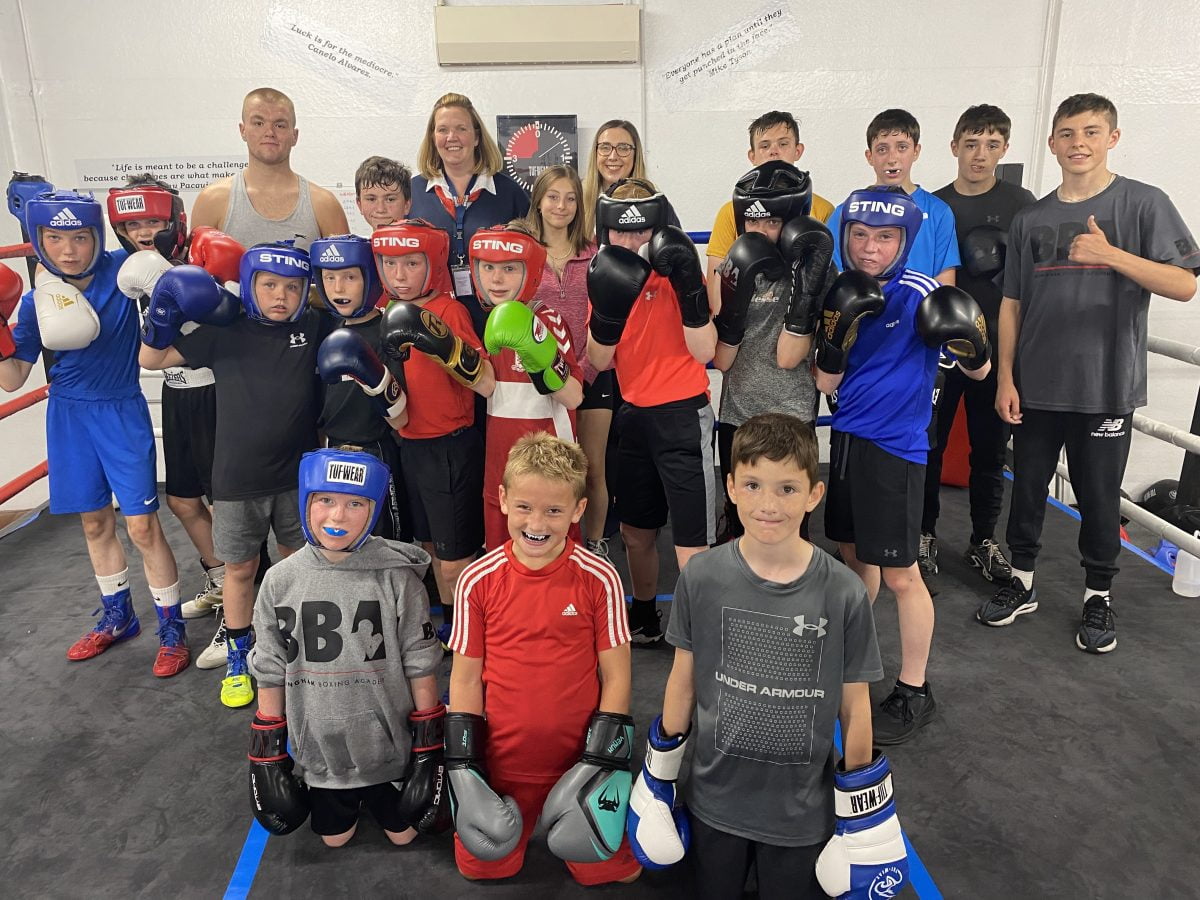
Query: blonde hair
column 272, row 96
column 577, row 234
column 632, row 189
column 548, row 457
column 591, row 178
column 488, row 158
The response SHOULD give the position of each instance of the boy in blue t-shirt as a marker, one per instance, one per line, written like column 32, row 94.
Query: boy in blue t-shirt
column 99, row 441
column 883, row 325
column 893, row 146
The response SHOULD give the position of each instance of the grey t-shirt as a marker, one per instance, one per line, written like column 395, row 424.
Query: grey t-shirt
column 1082, row 344
column 755, row 383
column 769, row 664
column 342, row 641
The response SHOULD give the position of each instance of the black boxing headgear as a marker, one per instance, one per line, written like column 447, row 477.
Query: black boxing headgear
column 774, row 190
column 630, row 215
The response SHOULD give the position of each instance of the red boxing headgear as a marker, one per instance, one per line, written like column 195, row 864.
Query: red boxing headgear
column 150, row 201
column 500, row 244
column 414, row 236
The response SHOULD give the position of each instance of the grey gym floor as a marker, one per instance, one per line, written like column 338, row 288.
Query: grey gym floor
column 1048, row 772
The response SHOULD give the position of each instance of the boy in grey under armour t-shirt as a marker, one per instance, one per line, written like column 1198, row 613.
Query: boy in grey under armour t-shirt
column 774, row 641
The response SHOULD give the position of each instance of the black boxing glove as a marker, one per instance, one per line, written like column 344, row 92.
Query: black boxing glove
column 406, row 325
column 751, row 255
column 278, row 798
column 983, row 249
column 807, row 246
column 949, row 315
column 853, row 296
column 424, row 800
column 615, row 279
column 673, row 255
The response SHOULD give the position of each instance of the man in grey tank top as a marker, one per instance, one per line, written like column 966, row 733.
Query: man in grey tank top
column 267, row 201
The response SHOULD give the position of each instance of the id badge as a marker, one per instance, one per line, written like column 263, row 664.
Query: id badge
column 462, row 281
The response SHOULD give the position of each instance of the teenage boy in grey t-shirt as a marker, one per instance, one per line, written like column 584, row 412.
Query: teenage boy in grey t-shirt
column 774, row 641
column 1081, row 265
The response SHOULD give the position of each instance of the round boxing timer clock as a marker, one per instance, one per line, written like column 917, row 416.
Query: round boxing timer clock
column 533, row 145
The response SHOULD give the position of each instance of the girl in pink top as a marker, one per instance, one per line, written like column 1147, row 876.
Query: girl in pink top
column 556, row 219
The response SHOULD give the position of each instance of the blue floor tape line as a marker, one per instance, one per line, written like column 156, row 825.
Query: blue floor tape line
column 247, row 864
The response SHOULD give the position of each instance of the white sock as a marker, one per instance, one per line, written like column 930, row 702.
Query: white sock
column 1026, row 578
column 110, row 584
column 166, row 596
column 1089, row 593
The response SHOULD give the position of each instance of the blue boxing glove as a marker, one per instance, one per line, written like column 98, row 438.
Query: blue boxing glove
column 181, row 294
column 658, row 826
column 345, row 355
column 866, row 857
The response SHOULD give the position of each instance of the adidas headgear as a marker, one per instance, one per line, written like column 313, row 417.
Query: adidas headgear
column 501, row 244
column 774, row 190
column 346, row 251
column 629, row 215
column 65, row 211
column 150, row 201
column 882, row 206
column 415, row 236
column 342, row 472
column 279, row 258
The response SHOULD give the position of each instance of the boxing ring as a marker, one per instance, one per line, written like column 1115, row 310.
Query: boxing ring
column 1040, row 754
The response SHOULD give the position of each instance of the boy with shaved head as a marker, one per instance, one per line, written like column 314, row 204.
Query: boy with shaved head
column 267, row 201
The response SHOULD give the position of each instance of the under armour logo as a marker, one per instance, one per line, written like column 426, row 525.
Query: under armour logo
column 891, row 554
column 802, row 626
column 298, row 339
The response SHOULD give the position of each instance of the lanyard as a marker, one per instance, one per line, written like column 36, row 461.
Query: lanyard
column 460, row 216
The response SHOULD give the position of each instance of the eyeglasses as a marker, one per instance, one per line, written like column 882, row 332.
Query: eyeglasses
column 622, row 150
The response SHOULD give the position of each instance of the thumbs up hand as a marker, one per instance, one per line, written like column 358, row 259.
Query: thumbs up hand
column 1091, row 248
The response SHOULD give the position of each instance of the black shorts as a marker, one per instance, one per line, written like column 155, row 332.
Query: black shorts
column 336, row 811
column 395, row 519
column 189, row 427
column 444, row 477
column 721, row 862
column 874, row 501
column 664, row 462
column 598, row 394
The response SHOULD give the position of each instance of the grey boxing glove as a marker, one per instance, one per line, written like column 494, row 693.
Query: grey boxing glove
column 488, row 825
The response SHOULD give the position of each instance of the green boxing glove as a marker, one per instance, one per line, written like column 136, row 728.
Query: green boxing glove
column 512, row 324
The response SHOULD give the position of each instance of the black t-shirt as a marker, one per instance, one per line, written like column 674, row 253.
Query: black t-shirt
column 349, row 416
column 268, row 398
column 996, row 208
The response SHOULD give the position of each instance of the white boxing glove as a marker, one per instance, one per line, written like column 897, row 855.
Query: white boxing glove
column 866, row 857
column 140, row 273
column 66, row 320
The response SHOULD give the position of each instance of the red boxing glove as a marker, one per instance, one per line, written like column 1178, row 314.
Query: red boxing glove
column 215, row 252
column 11, row 289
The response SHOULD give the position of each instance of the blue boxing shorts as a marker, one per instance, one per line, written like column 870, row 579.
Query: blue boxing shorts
column 97, row 448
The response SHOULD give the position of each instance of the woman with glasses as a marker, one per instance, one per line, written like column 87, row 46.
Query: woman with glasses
column 616, row 153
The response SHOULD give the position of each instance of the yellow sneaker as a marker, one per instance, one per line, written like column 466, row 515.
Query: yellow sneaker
column 237, row 688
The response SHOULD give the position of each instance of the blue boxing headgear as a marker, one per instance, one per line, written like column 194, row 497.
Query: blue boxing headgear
column 342, row 472
column 347, row 251
column 65, row 211
column 882, row 206
column 279, row 258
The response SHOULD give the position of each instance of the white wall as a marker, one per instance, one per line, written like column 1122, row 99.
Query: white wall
column 84, row 80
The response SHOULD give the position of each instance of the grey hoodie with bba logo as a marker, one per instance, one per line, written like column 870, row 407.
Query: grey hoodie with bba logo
column 343, row 640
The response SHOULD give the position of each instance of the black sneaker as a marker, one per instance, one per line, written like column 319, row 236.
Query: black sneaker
column 644, row 627
column 927, row 555
column 988, row 558
column 1006, row 604
column 1098, row 631
column 901, row 714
